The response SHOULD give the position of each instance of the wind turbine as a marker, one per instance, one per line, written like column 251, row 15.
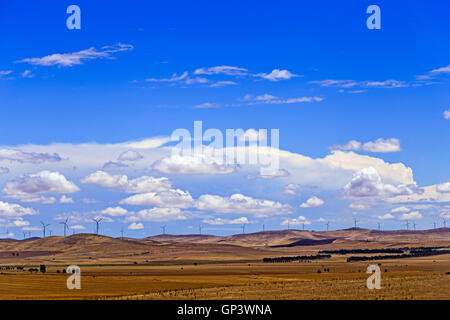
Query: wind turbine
column 414, row 224
column 24, row 234
column 289, row 224
column 303, row 226
column 243, row 228
column 121, row 232
column 434, row 225
column 445, row 223
column 50, row 232
column 407, row 224
column 328, row 225
column 200, row 229
column 264, row 227
column 379, row 226
column 97, row 222
column 356, row 222
column 65, row 226
column 44, row 226
column 164, row 229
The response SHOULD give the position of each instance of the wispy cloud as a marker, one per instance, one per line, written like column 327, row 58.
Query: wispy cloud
column 77, row 58
column 277, row 75
column 362, row 84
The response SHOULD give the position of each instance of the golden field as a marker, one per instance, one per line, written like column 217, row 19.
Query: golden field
column 204, row 268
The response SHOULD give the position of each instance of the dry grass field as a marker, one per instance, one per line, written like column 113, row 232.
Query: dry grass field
column 203, row 269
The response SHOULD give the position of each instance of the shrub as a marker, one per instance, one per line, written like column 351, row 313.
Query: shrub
column 42, row 268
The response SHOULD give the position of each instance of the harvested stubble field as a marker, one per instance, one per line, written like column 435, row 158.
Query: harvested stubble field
column 401, row 279
column 204, row 269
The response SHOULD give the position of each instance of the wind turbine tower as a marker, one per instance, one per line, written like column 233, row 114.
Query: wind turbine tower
column 97, row 222
column 65, row 226
column 44, row 227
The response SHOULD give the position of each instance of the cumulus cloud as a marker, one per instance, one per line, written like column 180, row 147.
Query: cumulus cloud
column 29, row 186
column 401, row 210
column 352, row 145
column 383, row 145
column 292, row 189
column 158, row 215
column 195, row 164
column 380, row 146
column 174, row 198
column 443, row 187
column 19, row 222
column 136, row 226
column 296, row 221
column 77, row 58
column 367, row 182
column 14, row 210
column 65, row 199
column 238, row 203
column 411, row 216
column 312, row 202
column 28, row 157
column 114, row 211
column 386, row 216
column 130, row 155
column 141, row 184
column 221, row 221
column 277, row 75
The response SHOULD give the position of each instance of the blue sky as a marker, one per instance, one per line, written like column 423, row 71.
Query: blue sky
column 312, row 70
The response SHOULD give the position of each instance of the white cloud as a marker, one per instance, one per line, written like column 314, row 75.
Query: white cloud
column 441, row 70
column 386, row 216
column 443, row 187
column 352, row 145
column 114, row 211
column 238, row 203
column 383, row 145
column 170, row 198
column 158, row 215
column 277, row 75
column 312, row 202
column 139, row 185
column 136, row 226
column 130, row 155
column 228, row 70
column 364, row 84
column 221, row 221
column 411, row 216
column 28, row 157
column 14, row 210
column 77, row 58
column 29, row 186
column 196, row 164
column 77, row 227
column 296, row 221
column 206, row 105
column 219, row 84
column 21, row 223
column 5, row 73
column 27, row 74
column 173, row 78
column 277, row 174
column 358, row 206
column 367, row 182
column 4, row 170
column 292, row 189
column 401, row 210
column 65, row 199
column 447, row 114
